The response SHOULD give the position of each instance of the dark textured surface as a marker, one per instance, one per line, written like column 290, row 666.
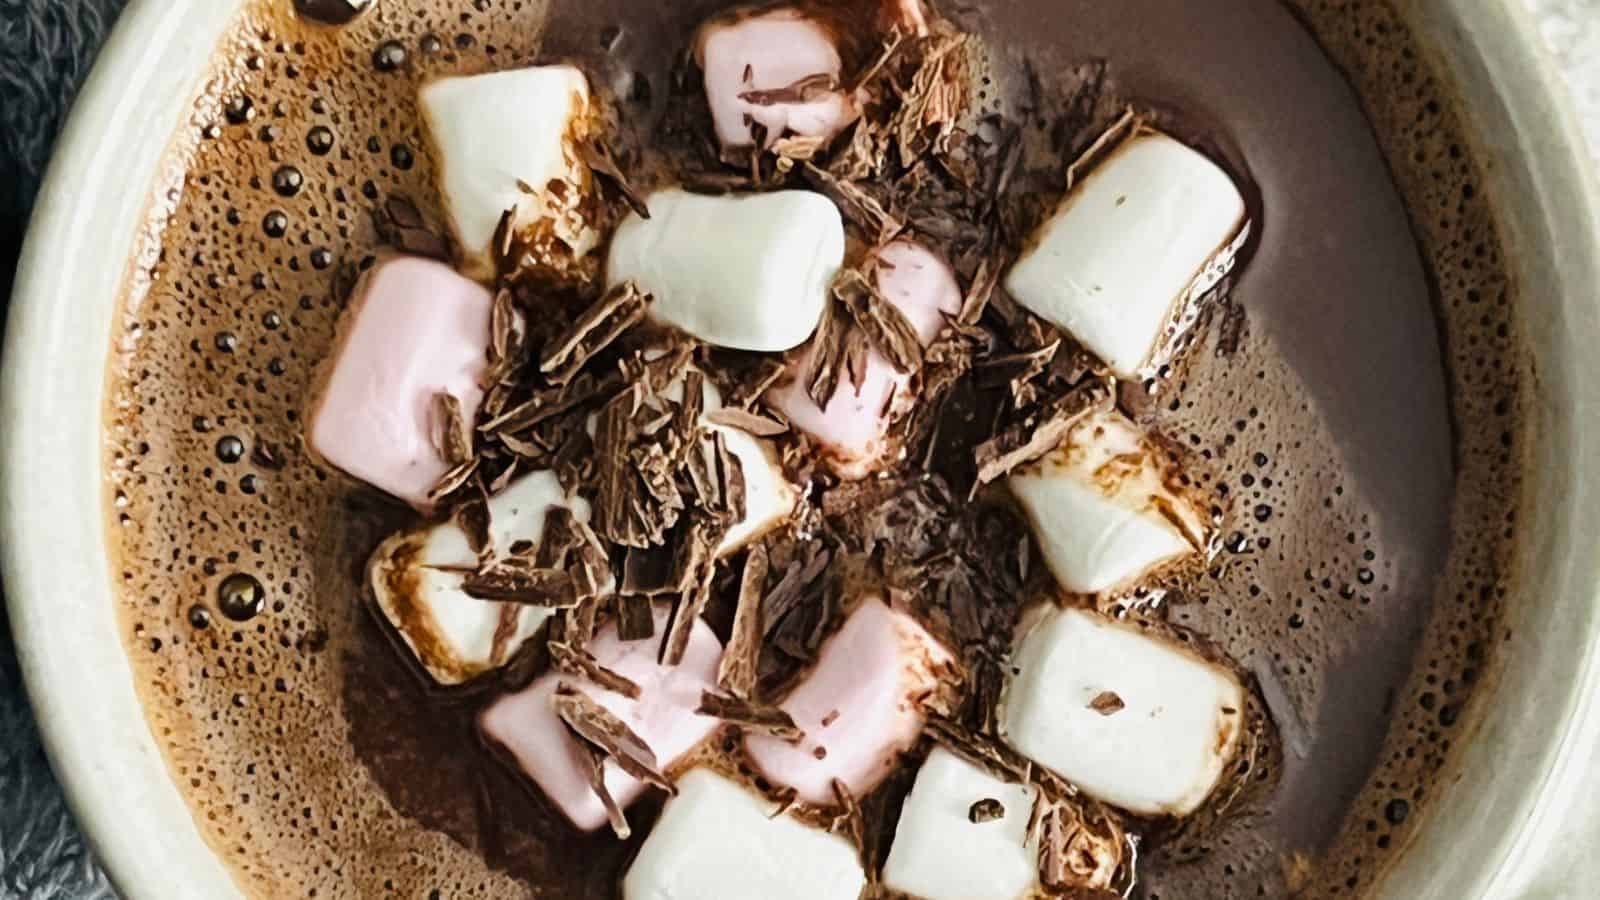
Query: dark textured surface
column 46, row 47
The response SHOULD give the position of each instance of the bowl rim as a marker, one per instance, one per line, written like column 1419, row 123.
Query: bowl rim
column 52, row 492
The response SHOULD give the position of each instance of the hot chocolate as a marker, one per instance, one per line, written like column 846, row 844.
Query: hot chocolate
column 1353, row 411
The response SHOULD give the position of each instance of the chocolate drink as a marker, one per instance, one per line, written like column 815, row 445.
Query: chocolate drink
column 1356, row 411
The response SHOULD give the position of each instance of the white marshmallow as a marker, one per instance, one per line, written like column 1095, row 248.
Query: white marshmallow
column 748, row 272
column 451, row 633
column 718, row 841
column 1101, row 510
column 1152, row 224
column 1162, row 752
column 939, row 853
column 492, row 131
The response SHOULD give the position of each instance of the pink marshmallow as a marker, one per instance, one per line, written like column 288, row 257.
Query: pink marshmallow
column 852, row 429
column 776, row 49
column 859, row 707
column 664, row 717
column 414, row 329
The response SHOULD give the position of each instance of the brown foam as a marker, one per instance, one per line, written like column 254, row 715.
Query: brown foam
column 296, row 734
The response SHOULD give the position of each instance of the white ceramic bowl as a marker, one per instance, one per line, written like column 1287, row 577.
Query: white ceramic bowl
column 1523, row 821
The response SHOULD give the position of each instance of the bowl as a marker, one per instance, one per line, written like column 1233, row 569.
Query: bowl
column 1522, row 820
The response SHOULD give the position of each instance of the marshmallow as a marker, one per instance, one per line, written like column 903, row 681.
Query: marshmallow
column 718, row 841
column 664, row 717
column 492, row 131
column 747, row 272
column 851, row 431
column 413, row 329
column 940, row 853
column 1102, row 510
column 859, row 706
column 769, row 52
column 1149, row 229
column 416, row 579
column 1138, row 721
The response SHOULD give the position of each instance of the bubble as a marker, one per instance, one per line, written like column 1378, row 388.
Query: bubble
column 238, row 110
column 199, row 617
column 390, row 56
column 240, row 597
column 275, row 224
column 230, row 449
column 320, row 140
column 287, row 181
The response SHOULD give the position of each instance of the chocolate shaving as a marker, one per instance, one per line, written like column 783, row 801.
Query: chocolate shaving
column 807, row 90
column 1016, row 370
column 746, row 421
column 857, row 205
column 749, row 392
column 595, row 772
column 1039, row 434
column 855, row 825
column 621, row 308
column 695, row 566
column 996, row 758
column 821, row 376
column 601, row 161
column 454, row 436
column 547, row 404
column 451, row 481
column 635, row 619
column 790, row 590
column 511, row 583
column 597, row 726
column 986, row 810
column 882, row 322
column 568, row 659
column 504, row 240
column 400, row 224
column 753, row 717
column 980, row 292
column 473, row 519
column 1107, row 703
column 737, row 671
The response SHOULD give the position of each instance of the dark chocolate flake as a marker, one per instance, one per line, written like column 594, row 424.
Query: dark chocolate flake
column 1033, row 438
column 746, row 421
column 753, row 717
column 986, row 810
column 635, row 619
column 881, row 321
column 601, row 161
column 454, row 434
column 596, row 725
column 511, row 583
column 579, row 662
column 807, row 90
column 1107, row 703
column 737, row 671
column 621, row 308
column 595, row 772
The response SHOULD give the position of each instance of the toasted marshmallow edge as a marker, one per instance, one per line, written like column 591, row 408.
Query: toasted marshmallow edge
column 776, row 48
column 450, row 633
column 716, row 840
column 413, row 329
column 526, row 726
column 1162, row 753
column 858, row 705
column 939, row 853
column 1126, row 245
column 1101, row 511
column 851, row 431
column 491, row 131
column 746, row 272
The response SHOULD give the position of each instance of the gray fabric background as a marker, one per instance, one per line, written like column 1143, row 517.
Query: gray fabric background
column 46, row 47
